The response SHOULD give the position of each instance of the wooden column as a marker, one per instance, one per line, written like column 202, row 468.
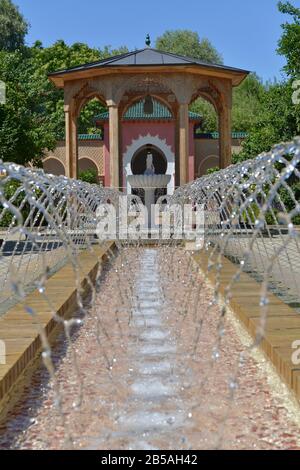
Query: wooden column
column 225, row 135
column 114, row 145
column 184, row 143
column 177, row 159
column 71, row 142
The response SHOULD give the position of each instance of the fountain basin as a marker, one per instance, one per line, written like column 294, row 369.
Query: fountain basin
column 149, row 181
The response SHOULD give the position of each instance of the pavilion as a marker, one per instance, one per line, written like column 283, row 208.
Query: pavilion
column 122, row 81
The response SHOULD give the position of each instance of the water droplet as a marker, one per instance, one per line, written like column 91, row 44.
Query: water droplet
column 215, row 355
column 233, row 385
column 264, row 301
column 29, row 310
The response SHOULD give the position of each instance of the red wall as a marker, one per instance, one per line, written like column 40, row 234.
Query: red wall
column 133, row 130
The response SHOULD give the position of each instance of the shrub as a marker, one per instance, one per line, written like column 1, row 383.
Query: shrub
column 212, row 170
column 89, row 176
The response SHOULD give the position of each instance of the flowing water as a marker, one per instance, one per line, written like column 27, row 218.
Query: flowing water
column 143, row 385
column 155, row 359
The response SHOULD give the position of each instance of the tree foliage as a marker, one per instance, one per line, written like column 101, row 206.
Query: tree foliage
column 289, row 43
column 277, row 121
column 247, row 99
column 25, row 127
column 89, row 176
column 188, row 43
column 277, row 118
column 13, row 28
column 32, row 119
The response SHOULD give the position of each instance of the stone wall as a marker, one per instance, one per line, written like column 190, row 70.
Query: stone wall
column 90, row 156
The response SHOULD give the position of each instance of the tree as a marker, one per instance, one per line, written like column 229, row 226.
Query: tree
column 61, row 56
column 13, row 26
column 278, row 120
column 246, row 97
column 208, row 113
column 25, row 127
column 188, row 43
column 247, row 103
column 246, row 106
column 32, row 120
column 289, row 43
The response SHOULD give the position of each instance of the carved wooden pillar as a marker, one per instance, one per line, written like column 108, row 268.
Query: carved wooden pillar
column 225, row 130
column 114, row 145
column 184, row 143
column 71, row 142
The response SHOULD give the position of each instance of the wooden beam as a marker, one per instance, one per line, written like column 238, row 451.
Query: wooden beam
column 236, row 77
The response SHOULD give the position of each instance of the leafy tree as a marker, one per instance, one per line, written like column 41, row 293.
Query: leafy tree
column 289, row 43
column 278, row 120
column 246, row 106
column 247, row 99
column 25, row 128
column 188, row 43
column 32, row 119
column 13, row 26
column 208, row 113
column 61, row 56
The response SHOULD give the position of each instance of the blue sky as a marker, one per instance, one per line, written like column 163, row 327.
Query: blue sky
column 245, row 32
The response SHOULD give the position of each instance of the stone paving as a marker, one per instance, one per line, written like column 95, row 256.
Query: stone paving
column 152, row 369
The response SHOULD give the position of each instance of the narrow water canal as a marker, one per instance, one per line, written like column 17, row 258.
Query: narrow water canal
column 149, row 369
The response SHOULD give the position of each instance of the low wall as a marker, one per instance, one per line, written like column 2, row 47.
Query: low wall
column 207, row 151
column 90, row 155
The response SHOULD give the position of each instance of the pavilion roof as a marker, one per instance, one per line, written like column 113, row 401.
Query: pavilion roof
column 147, row 57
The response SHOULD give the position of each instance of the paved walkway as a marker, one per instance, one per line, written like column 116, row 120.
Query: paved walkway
column 153, row 368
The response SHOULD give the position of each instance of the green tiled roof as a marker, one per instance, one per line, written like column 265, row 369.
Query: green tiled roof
column 136, row 113
column 89, row 137
column 216, row 135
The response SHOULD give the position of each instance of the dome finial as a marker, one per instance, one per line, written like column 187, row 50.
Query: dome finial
column 148, row 40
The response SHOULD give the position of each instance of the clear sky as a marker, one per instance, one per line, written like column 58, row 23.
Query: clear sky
column 245, row 32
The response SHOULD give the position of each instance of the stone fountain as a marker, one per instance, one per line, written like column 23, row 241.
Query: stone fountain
column 149, row 181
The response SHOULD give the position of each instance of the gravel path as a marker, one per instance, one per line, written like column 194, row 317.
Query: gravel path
column 157, row 370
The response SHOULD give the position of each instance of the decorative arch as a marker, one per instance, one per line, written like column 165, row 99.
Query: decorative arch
column 141, row 96
column 208, row 162
column 80, row 94
column 135, row 82
column 54, row 166
column 86, row 163
column 162, row 145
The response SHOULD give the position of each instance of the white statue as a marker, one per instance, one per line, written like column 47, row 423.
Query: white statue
column 150, row 170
